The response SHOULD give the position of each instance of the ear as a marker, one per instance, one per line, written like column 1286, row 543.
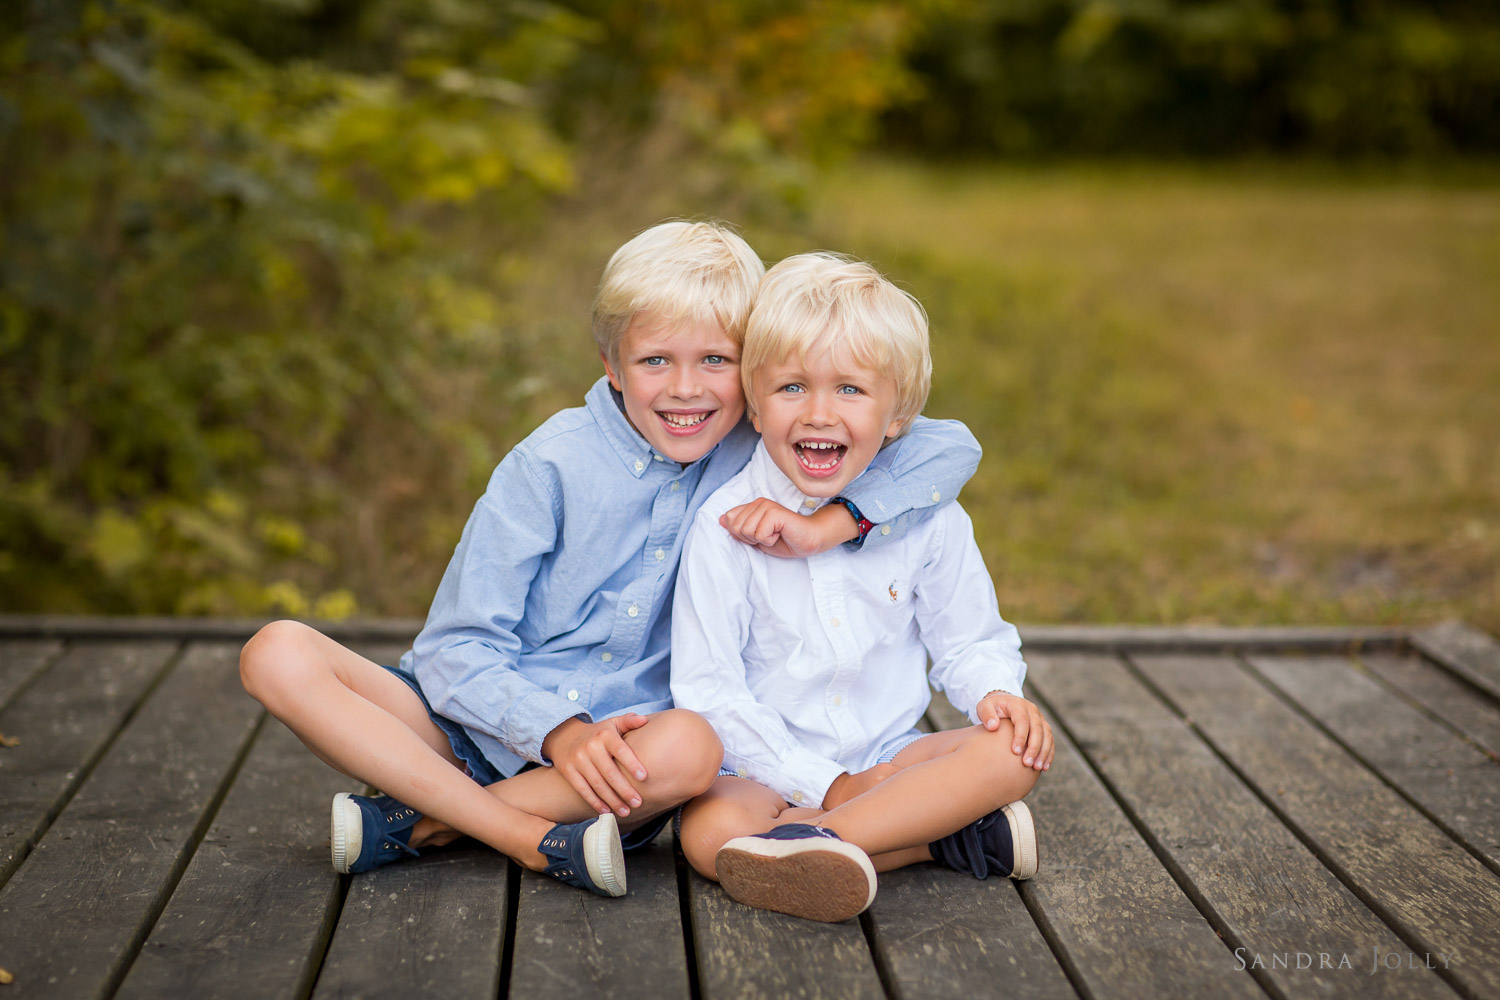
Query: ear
column 894, row 428
column 754, row 419
column 609, row 371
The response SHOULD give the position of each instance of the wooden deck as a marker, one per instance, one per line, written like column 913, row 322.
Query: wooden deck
column 1275, row 812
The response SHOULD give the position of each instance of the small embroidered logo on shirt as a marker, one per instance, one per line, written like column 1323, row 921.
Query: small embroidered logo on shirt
column 891, row 589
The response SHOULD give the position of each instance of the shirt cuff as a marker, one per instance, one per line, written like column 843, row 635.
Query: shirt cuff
column 546, row 720
column 804, row 778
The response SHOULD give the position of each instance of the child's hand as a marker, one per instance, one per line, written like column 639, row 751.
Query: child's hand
column 1033, row 736
column 847, row 786
column 773, row 529
column 587, row 754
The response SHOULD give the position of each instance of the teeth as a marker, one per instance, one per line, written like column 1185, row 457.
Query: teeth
column 806, row 447
column 684, row 420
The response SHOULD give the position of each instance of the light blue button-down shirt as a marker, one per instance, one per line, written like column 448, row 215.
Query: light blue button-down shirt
column 558, row 600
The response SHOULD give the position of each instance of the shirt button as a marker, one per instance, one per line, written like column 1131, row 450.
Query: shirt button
column 658, row 458
column 936, row 496
column 835, row 623
column 632, row 611
column 572, row 695
column 676, row 486
column 661, row 554
column 639, row 465
column 885, row 529
column 606, row 657
column 809, row 502
column 796, row 796
column 838, row 700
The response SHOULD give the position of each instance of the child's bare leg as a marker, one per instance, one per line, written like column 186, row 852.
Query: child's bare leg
column 739, row 807
column 946, row 781
column 681, row 755
column 369, row 725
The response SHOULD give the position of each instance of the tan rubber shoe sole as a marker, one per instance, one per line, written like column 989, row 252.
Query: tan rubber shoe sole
column 816, row 879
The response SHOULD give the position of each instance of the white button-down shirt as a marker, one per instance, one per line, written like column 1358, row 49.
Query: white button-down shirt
column 807, row 667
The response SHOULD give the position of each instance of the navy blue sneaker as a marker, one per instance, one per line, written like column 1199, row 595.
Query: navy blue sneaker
column 1002, row 843
column 587, row 855
column 800, row 869
column 370, row 831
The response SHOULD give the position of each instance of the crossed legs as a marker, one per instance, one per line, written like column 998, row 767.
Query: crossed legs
column 367, row 724
column 940, row 784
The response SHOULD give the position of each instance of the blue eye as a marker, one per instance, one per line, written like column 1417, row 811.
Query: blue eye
column 654, row 362
column 794, row 387
column 849, row 390
column 716, row 359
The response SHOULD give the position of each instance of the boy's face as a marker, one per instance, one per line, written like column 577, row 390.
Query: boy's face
column 823, row 419
column 681, row 385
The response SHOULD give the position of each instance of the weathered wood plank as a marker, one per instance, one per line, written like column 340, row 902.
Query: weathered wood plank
column 1443, row 695
column 1452, row 780
column 1466, row 651
column 1438, row 898
column 397, row 630
column 64, row 721
column 1203, row 638
column 432, row 926
column 1053, row 638
column 941, row 933
column 21, row 660
column 254, row 910
column 1122, row 925
column 1272, row 898
column 744, row 952
column 74, row 914
column 571, row 943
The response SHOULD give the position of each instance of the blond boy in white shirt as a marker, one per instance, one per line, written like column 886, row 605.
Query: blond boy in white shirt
column 813, row 671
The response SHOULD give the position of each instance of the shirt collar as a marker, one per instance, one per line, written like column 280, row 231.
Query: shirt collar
column 769, row 481
column 608, row 409
column 624, row 440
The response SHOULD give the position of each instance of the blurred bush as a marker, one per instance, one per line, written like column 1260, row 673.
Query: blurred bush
column 1207, row 77
column 256, row 255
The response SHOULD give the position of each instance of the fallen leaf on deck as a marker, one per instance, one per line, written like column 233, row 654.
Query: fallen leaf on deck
column 6, row 978
column 9, row 741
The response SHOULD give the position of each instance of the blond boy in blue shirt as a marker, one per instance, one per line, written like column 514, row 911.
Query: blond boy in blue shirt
column 533, row 711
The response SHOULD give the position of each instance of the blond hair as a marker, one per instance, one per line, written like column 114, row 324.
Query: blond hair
column 677, row 272
column 814, row 302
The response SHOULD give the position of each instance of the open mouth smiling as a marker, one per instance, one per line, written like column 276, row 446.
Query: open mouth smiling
column 820, row 458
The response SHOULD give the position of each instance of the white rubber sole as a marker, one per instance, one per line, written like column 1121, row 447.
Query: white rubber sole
column 1023, row 837
column 346, row 832
column 604, row 855
column 816, row 879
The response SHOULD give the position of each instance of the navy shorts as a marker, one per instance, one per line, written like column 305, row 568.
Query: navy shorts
column 482, row 771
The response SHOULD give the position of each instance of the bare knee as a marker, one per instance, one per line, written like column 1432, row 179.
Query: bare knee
column 271, row 662
column 1005, row 770
column 707, row 823
column 681, row 751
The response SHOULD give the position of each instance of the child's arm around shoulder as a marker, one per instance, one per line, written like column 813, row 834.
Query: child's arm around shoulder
column 924, row 468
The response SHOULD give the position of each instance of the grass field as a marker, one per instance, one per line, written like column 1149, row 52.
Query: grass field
column 1208, row 396
column 1225, row 395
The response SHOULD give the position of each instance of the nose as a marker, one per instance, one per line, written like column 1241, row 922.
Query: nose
column 819, row 411
column 685, row 382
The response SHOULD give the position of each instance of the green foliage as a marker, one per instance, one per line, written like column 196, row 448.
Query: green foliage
column 259, row 262
column 219, row 258
column 1340, row 77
